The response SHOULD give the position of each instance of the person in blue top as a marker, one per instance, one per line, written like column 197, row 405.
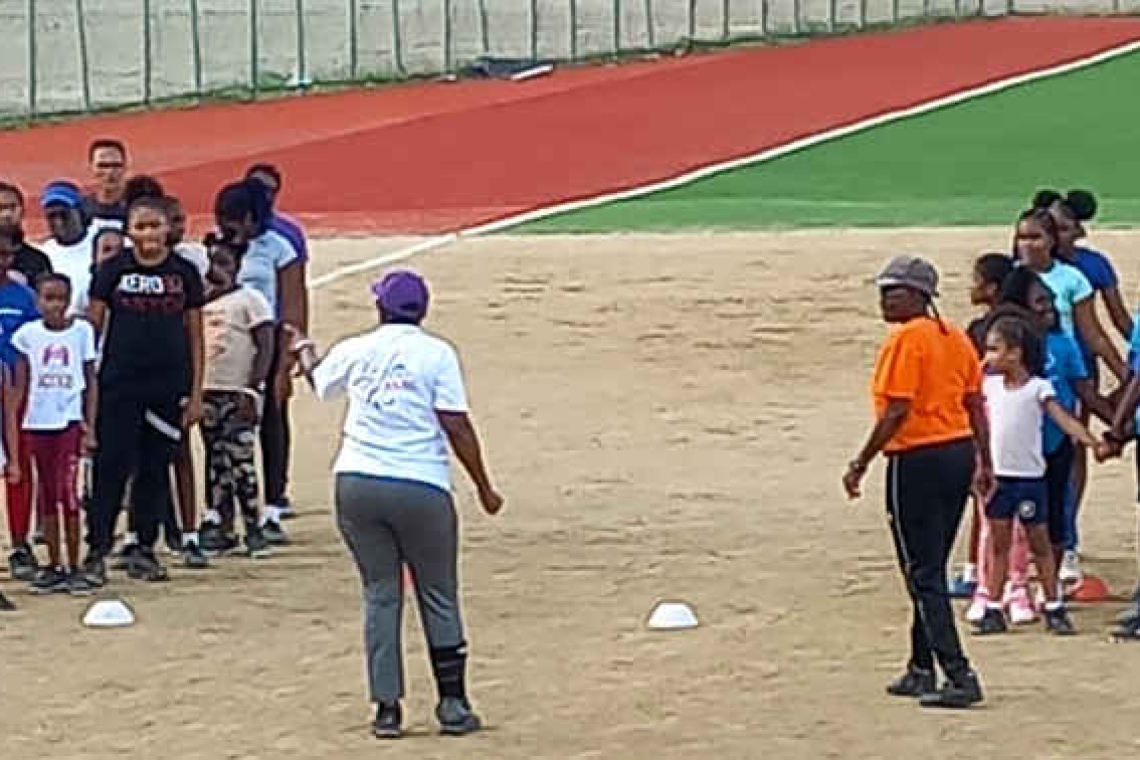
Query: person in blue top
column 1069, row 212
column 17, row 308
column 281, row 223
column 1065, row 368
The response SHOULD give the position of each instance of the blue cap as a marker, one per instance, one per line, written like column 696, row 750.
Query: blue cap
column 402, row 294
column 63, row 193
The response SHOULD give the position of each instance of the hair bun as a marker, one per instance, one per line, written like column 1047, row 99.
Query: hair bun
column 1046, row 198
column 1083, row 203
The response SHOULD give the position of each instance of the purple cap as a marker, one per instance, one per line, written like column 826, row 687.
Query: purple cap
column 402, row 294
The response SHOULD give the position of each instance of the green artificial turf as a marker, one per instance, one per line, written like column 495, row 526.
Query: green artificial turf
column 975, row 163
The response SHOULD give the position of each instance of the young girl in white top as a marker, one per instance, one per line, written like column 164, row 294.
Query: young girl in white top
column 1018, row 398
column 53, row 379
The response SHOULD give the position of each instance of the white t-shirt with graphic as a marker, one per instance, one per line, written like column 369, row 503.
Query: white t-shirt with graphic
column 397, row 377
column 74, row 261
column 55, row 372
column 1016, row 417
column 227, row 326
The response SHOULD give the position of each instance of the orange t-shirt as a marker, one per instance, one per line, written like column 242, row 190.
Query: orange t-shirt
column 935, row 371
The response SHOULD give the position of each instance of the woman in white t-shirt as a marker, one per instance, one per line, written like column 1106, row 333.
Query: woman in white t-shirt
column 54, row 377
column 406, row 401
column 1018, row 398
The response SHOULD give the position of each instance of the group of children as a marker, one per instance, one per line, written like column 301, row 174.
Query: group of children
column 1041, row 341
column 114, row 351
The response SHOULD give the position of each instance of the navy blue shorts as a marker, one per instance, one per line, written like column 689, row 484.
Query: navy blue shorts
column 1026, row 499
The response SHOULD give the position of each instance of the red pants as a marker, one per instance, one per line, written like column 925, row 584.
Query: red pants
column 56, row 456
column 19, row 497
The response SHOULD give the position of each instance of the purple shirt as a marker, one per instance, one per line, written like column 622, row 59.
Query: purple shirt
column 287, row 228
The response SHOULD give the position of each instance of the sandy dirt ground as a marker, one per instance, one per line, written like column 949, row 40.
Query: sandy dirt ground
column 668, row 418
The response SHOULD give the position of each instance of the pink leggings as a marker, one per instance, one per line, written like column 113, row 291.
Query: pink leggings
column 1019, row 554
column 56, row 458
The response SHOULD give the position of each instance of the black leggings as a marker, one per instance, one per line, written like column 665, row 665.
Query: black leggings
column 927, row 490
column 136, row 436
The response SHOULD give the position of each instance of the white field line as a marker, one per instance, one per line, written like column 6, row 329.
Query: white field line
column 723, row 166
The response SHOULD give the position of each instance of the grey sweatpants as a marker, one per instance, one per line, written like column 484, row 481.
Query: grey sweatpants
column 386, row 523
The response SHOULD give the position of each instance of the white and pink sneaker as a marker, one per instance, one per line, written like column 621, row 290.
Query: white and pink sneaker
column 977, row 609
column 1021, row 610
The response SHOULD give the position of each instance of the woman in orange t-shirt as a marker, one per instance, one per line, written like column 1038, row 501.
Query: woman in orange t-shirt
column 931, row 424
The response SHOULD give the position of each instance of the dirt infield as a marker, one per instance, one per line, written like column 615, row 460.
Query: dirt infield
column 668, row 417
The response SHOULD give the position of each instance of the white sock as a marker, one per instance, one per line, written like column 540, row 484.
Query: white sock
column 213, row 516
column 130, row 538
column 995, row 606
column 271, row 514
column 1054, row 605
column 190, row 538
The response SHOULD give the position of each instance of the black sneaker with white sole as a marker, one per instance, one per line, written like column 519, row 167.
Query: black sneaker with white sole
column 22, row 563
column 388, row 723
column 5, row 605
column 1058, row 622
column 94, row 572
column 215, row 540
column 285, row 508
column 274, row 533
column 992, row 622
column 146, row 567
column 193, row 557
column 912, row 683
column 79, row 585
column 50, row 580
column 256, row 544
column 958, row 693
column 456, row 718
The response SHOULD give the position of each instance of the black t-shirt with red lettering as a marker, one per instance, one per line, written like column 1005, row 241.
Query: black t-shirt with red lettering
column 146, row 349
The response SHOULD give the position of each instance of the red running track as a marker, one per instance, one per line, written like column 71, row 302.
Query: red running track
column 439, row 157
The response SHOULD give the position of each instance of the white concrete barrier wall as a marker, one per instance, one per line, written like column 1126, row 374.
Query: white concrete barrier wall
column 75, row 55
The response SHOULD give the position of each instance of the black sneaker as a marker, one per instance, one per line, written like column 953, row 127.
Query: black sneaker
column 193, row 557
column 94, row 571
column 912, row 683
column 50, row 580
column 956, row 694
column 215, row 541
column 456, row 717
column 1058, row 622
column 256, row 544
column 79, row 585
column 274, row 533
column 388, row 720
column 992, row 622
column 146, row 567
column 22, row 563
column 286, row 508
column 1128, row 630
column 125, row 557
column 5, row 605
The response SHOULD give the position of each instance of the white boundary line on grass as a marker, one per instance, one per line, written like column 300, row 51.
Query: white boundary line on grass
column 723, row 166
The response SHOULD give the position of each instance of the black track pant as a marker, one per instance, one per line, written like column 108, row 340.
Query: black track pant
column 138, row 436
column 275, row 440
column 926, row 493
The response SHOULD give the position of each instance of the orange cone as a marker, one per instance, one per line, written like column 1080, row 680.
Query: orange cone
column 1090, row 588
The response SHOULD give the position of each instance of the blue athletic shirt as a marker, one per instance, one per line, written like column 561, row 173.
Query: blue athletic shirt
column 1098, row 270
column 17, row 308
column 1063, row 368
column 1134, row 354
column 1069, row 287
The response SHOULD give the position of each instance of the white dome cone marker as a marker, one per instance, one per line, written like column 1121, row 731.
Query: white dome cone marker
column 108, row 613
column 672, row 616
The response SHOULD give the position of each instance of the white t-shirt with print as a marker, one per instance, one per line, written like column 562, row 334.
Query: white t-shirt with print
column 228, row 323
column 1016, row 417
column 55, row 372
column 396, row 377
column 74, row 261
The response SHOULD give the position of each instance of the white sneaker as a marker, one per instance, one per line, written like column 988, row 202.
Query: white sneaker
column 1020, row 609
column 1070, row 568
column 977, row 609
